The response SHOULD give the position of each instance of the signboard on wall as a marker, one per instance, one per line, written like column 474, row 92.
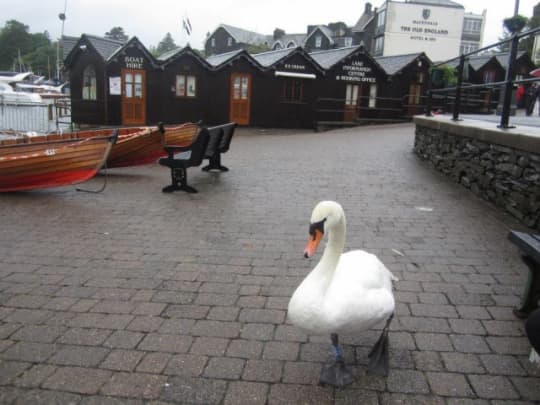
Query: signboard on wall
column 423, row 28
column 356, row 71
column 115, row 86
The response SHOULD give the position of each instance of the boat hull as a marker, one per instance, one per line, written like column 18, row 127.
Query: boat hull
column 51, row 164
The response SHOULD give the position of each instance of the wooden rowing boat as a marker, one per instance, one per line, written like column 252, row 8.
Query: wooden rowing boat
column 143, row 145
column 51, row 163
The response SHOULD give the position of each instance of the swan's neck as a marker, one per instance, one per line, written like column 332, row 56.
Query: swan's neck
column 334, row 248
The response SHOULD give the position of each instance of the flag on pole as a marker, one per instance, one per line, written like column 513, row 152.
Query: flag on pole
column 187, row 25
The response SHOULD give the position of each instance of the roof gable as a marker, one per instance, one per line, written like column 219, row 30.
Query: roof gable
column 133, row 43
column 171, row 56
column 219, row 60
column 395, row 64
column 272, row 59
column 241, row 35
column 104, row 47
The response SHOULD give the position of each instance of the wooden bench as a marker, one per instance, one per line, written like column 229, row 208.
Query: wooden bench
column 203, row 147
column 529, row 245
column 227, row 132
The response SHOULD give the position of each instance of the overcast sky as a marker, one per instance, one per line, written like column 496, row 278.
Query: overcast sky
column 151, row 20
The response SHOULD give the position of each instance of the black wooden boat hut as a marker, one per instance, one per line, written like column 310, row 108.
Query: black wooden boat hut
column 232, row 89
column 349, row 91
column 184, row 86
column 288, row 88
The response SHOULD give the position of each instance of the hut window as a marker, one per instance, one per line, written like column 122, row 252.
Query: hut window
column 378, row 45
column 351, row 95
column 318, row 41
column 380, row 18
column 372, row 96
column 89, row 88
column 229, row 41
column 213, row 42
column 186, row 86
column 293, row 90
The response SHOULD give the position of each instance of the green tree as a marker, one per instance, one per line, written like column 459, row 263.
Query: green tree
column 15, row 40
column 117, row 33
column 166, row 44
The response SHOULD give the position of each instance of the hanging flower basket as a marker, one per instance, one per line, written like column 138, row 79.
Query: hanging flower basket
column 515, row 24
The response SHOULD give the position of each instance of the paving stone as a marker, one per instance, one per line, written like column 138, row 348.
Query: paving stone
column 244, row 392
column 216, row 329
column 467, row 326
column 427, row 361
column 154, row 362
column 509, row 345
column 449, row 384
column 209, row 346
column 223, row 313
column 149, row 308
column 407, row 381
column 290, row 333
column 410, row 399
column 249, row 349
column 502, row 365
column 352, row 397
column 114, row 307
column 433, row 310
column 469, row 344
column 216, row 299
column 473, row 312
column 251, row 301
column 262, row 315
column 462, row 363
column 84, row 336
column 493, row 387
column 27, row 301
column 34, row 376
column 262, row 370
column 138, row 385
column 76, row 379
column 186, row 365
column 298, row 394
column 504, row 328
column 424, row 324
column 186, row 311
column 82, row 356
column 257, row 331
column 527, row 387
column 39, row 396
column 165, row 343
column 123, row 339
column 302, row 373
column 7, row 329
column 194, row 391
column 145, row 324
column 224, row 368
column 28, row 316
column 122, row 360
column 10, row 370
column 103, row 321
column 281, row 351
column 433, row 342
column 38, row 333
column 29, row 351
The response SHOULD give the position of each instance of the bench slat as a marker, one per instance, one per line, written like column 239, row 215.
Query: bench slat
column 528, row 244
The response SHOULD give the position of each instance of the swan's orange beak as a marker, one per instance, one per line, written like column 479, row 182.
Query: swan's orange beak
column 313, row 243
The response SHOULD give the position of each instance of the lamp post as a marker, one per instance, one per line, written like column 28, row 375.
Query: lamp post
column 62, row 17
column 505, row 113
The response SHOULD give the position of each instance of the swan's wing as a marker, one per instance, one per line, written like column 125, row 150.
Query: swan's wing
column 365, row 268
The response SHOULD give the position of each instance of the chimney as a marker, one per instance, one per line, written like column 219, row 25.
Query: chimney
column 367, row 9
column 278, row 33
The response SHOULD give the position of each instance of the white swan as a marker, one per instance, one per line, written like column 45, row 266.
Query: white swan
column 345, row 293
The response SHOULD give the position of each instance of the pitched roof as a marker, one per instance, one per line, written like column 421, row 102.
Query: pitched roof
column 68, row 43
column 328, row 58
column 221, row 58
column 104, row 46
column 325, row 30
column 168, row 57
column 479, row 61
column 246, row 37
column 269, row 58
column 393, row 64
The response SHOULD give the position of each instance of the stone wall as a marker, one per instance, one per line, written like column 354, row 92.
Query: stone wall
column 501, row 166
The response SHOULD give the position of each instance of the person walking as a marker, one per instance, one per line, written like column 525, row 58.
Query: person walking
column 530, row 100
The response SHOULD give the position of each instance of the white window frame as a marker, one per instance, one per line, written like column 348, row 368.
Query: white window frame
column 186, row 86
column 372, row 103
column 318, row 41
column 89, row 85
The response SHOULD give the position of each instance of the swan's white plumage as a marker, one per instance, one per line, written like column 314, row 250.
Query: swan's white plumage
column 344, row 293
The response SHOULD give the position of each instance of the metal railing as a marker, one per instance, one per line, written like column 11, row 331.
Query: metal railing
column 506, row 86
column 41, row 117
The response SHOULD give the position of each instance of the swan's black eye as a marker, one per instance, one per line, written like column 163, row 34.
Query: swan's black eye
column 317, row 226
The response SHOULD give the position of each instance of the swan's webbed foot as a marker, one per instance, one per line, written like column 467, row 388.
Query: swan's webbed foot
column 379, row 358
column 336, row 374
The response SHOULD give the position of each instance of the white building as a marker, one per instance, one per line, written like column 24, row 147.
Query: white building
column 440, row 28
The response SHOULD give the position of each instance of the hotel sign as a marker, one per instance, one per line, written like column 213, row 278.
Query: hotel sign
column 413, row 27
column 356, row 71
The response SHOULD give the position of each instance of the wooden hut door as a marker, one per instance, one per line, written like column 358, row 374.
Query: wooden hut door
column 240, row 98
column 414, row 99
column 133, row 97
column 353, row 96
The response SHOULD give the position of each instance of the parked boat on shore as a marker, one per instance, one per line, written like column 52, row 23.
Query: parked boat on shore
column 42, row 163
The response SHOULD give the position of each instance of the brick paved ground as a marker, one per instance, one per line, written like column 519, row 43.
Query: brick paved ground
column 132, row 295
